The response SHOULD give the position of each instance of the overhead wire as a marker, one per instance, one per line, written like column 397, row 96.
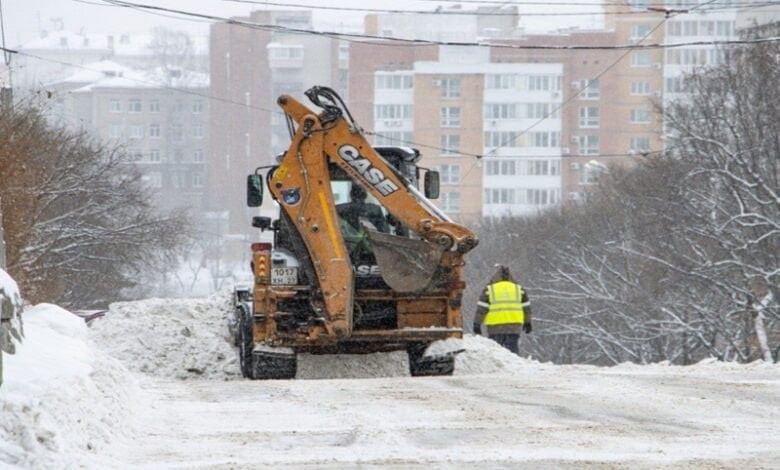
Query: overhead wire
column 395, row 41
column 147, row 8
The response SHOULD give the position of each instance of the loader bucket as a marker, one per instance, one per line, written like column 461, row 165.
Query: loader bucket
column 406, row 264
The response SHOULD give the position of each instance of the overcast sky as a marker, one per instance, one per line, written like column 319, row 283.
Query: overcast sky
column 24, row 19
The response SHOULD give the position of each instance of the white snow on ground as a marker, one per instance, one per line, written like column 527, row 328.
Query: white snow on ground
column 174, row 338
column 66, row 405
column 62, row 401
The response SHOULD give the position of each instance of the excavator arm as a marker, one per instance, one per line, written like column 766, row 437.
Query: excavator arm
column 301, row 185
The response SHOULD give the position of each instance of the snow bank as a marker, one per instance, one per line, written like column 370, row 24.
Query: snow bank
column 189, row 338
column 172, row 338
column 61, row 402
column 11, row 329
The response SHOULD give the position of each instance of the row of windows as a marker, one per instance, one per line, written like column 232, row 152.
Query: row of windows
column 589, row 144
column 700, row 28
column 521, row 110
column 537, row 197
column 393, row 111
column 517, row 139
column 524, row 167
column 138, row 131
column 177, row 180
column 695, row 56
column 523, row 82
column 156, row 156
column 135, row 105
column 393, row 82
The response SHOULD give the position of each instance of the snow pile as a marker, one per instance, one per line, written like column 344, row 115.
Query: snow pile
column 10, row 313
column 189, row 338
column 61, row 401
column 173, row 338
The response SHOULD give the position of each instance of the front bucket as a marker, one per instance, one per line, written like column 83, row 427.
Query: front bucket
column 406, row 264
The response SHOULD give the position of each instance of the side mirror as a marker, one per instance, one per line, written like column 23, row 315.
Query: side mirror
column 432, row 184
column 263, row 223
column 254, row 190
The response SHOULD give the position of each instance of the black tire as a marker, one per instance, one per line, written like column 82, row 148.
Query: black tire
column 245, row 341
column 268, row 365
column 421, row 365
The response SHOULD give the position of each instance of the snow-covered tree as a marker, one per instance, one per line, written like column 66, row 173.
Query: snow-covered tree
column 78, row 220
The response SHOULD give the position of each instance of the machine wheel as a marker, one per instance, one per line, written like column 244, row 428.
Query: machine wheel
column 270, row 365
column 245, row 341
column 421, row 365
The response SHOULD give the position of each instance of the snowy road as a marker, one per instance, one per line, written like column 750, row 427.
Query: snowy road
column 156, row 386
column 551, row 417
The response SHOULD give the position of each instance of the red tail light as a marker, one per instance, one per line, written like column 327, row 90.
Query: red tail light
column 261, row 247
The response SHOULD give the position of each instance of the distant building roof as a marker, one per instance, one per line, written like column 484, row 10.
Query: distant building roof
column 124, row 44
column 157, row 78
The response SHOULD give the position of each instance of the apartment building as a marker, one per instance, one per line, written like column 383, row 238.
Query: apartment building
column 250, row 68
column 546, row 122
column 159, row 117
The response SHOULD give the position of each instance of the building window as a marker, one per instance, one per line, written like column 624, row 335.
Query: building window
column 541, row 197
column 135, row 155
column 500, row 167
column 154, row 156
column 178, row 106
column 591, row 89
column 450, row 174
column 640, row 116
column 114, row 106
column 540, row 110
column 384, row 81
column 450, row 87
column 450, row 201
column 640, row 87
column 641, row 59
column 197, row 107
column 154, row 131
column 546, row 167
column 588, row 145
column 285, row 52
column 589, row 117
column 197, row 156
column 500, row 81
column 450, row 144
column 197, row 180
column 154, row 106
column 197, row 131
column 136, row 132
column 134, row 105
column 502, row 139
column 450, row 116
column 544, row 139
column 543, row 83
column 500, row 196
column 115, row 131
column 640, row 144
column 501, row 110
column 393, row 111
column 674, row 85
column 640, row 31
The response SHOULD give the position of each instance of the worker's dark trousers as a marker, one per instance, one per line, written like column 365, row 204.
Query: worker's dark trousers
column 508, row 341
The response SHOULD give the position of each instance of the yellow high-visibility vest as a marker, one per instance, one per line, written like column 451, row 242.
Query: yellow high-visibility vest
column 506, row 304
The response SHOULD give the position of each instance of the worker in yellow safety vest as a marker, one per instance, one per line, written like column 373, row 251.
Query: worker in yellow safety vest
column 505, row 309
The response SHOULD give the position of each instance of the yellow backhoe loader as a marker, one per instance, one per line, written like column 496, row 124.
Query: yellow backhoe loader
column 362, row 261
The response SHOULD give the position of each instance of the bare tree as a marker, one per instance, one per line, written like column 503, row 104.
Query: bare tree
column 79, row 226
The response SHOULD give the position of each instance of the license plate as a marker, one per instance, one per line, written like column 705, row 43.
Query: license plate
column 284, row 276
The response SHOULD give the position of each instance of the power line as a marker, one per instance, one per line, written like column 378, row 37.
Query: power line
column 145, row 82
column 391, row 41
column 498, row 5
